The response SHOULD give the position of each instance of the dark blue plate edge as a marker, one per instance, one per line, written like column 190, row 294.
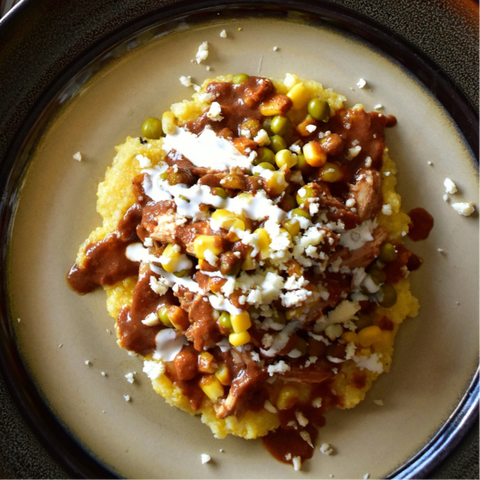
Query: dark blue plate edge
column 58, row 443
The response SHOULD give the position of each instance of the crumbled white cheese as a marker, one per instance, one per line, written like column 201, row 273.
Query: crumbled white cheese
column 306, row 437
column 326, row 449
column 301, row 419
column 446, row 198
column 361, row 83
column 87, row 362
column 297, row 463
column 153, row 369
column 160, row 285
column 262, row 138
column 143, row 161
column 450, row 187
column 205, row 458
column 463, row 208
column 269, row 407
column 353, row 152
column 215, row 112
column 279, row 367
column 202, row 53
column 130, row 378
column 127, row 398
column 223, row 34
column 275, row 49
column 350, row 203
column 317, row 402
column 371, row 363
column 310, row 128
column 378, row 106
column 151, row 319
column 378, row 402
column 366, row 476
column 77, row 156
column 186, row 81
column 211, row 258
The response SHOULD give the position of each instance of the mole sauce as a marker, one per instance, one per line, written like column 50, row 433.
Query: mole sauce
column 421, row 226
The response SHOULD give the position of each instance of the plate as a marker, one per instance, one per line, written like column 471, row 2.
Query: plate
column 123, row 66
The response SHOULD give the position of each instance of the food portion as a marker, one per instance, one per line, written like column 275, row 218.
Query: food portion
column 252, row 253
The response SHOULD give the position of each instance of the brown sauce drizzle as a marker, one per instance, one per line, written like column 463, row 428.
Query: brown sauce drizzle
column 106, row 262
column 421, row 226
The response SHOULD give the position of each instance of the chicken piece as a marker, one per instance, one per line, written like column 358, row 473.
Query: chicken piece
column 367, row 192
column 249, row 377
column 204, row 330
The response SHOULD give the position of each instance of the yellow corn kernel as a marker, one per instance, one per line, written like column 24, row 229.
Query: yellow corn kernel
column 169, row 258
column 386, row 340
column 241, row 322
column 223, row 374
column 249, row 263
column 299, row 96
column 314, row 154
column 168, row 122
column 207, row 242
column 239, row 339
column 294, row 269
column 285, row 158
column 365, row 352
column 237, row 224
column 276, row 183
column 369, row 335
column 263, row 243
column 292, row 227
column 350, row 337
column 277, row 105
column 211, row 387
column 207, row 363
column 224, row 218
column 287, row 397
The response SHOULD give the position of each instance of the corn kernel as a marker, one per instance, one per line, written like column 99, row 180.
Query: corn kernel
column 168, row 122
column 207, row 363
column 366, row 352
column 276, row 183
column 223, row 374
column 386, row 340
column 224, row 218
column 211, row 387
column 287, row 397
column 239, row 339
column 169, row 258
column 314, row 154
column 299, row 96
column 241, row 322
column 277, row 105
column 249, row 263
column 369, row 335
column 207, row 242
column 263, row 243
column 237, row 224
column 350, row 337
column 292, row 227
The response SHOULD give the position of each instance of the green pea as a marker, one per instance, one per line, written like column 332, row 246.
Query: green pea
column 389, row 295
column 277, row 143
column 281, row 125
column 288, row 203
column 299, row 212
column 182, row 273
column 163, row 316
column 364, row 320
column 225, row 321
column 267, row 126
column 378, row 275
column 266, row 165
column 266, row 156
column 152, row 128
column 302, row 164
column 304, row 193
column 319, row 109
column 388, row 252
column 164, row 175
column 279, row 317
column 220, row 192
column 240, row 78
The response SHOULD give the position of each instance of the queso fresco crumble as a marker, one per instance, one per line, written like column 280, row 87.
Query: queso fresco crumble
column 252, row 253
